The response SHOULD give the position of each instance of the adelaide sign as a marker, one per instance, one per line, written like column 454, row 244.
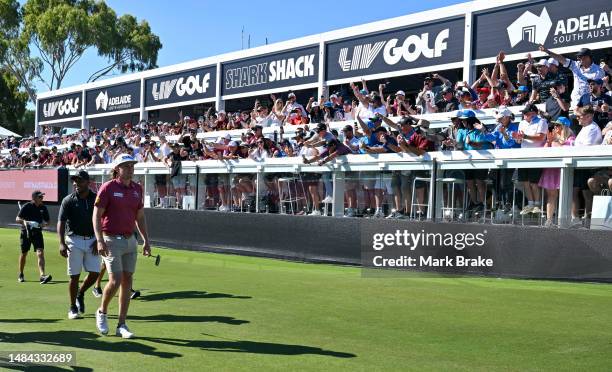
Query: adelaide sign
column 558, row 23
column 113, row 98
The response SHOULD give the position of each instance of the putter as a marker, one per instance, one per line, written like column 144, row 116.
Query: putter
column 157, row 259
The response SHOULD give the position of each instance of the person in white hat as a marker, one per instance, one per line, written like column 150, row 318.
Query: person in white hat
column 118, row 209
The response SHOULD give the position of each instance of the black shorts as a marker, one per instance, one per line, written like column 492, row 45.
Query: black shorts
column 35, row 238
column 211, row 180
column 529, row 174
column 161, row 179
column 477, row 174
column 581, row 178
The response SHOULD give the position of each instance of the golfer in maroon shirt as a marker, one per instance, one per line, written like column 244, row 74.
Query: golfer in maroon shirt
column 117, row 210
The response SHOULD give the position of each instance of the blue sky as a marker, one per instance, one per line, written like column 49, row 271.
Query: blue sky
column 191, row 29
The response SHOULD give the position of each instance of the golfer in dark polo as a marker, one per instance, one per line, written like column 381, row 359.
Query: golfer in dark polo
column 78, row 241
column 118, row 209
column 32, row 217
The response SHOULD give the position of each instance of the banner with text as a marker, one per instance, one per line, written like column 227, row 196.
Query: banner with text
column 114, row 98
column 295, row 67
column 556, row 24
column 181, row 86
column 19, row 184
column 60, row 107
column 410, row 47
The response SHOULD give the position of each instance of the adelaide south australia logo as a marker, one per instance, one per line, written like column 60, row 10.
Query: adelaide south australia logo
column 104, row 103
column 535, row 29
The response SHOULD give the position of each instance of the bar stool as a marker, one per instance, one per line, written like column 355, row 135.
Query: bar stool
column 449, row 208
column 288, row 193
column 169, row 202
column 489, row 185
column 542, row 214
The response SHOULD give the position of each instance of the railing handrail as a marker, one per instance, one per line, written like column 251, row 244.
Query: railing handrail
column 548, row 157
column 437, row 120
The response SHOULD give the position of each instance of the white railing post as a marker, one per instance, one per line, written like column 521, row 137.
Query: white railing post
column 566, row 188
column 338, row 183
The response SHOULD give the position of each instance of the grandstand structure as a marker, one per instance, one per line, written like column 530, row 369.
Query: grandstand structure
column 456, row 41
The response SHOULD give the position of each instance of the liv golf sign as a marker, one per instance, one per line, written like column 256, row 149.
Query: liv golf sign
column 62, row 107
column 181, row 87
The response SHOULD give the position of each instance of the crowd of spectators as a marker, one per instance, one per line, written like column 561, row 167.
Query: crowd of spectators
column 537, row 82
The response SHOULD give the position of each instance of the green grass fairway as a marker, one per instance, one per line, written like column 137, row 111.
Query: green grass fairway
column 223, row 312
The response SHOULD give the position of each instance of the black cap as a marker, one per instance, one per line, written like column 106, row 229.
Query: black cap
column 347, row 128
column 428, row 77
column 37, row 194
column 83, row 175
column 321, row 127
column 584, row 52
column 380, row 129
column 406, row 120
column 447, row 90
column 530, row 107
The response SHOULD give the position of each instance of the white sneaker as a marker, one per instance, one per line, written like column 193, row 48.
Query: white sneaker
column 102, row 322
column 528, row 209
column 379, row 213
column 124, row 331
column 350, row 212
column 223, row 208
column 576, row 222
column 73, row 314
column 315, row 212
column 536, row 209
column 328, row 199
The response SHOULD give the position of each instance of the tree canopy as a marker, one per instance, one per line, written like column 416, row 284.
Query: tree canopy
column 44, row 39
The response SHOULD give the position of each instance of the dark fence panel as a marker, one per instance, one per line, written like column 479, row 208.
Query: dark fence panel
column 524, row 252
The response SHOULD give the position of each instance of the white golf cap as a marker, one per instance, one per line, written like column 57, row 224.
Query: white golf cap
column 123, row 159
column 502, row 111
column 542, row 62
column 187, row 118
column 227, row 136
column 400, row 93
column 315, row 104
column 333, row 96
column 221, row 112
column 291, row 95
column 552, row 61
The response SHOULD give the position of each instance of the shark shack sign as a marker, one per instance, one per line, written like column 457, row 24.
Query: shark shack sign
column 300, row 66
column 555, row 24
column 113, row 99
column 181, row 87
column 396, row 50
column 61, row 107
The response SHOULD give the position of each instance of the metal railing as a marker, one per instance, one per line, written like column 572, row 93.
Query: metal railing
column 203, row 181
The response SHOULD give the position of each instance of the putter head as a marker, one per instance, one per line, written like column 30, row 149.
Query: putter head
column 157, row 259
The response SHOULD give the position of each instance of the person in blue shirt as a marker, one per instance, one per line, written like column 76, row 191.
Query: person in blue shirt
column 502, row 138
column 385, row 143
column 472, row 137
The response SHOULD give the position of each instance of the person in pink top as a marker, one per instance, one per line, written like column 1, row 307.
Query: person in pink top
column 118, row 209
column 561, row 135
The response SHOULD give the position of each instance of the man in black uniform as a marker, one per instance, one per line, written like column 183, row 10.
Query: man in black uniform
column 33, row 216
column 78, row 241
